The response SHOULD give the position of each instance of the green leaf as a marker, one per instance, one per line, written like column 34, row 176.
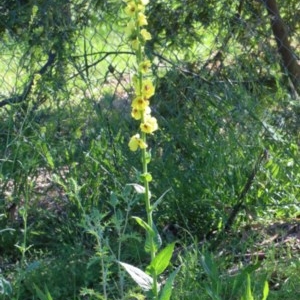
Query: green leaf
column 167, row 290
column 5, row 287
column 42, row 295
column 147, row 177
column 138, row 188
column 148, row 157
column 162, row 259
column 148, row 244
column 248, row 294
column 209, row 266
column 159, row 200
column 33, row 266
column 265, row 291
column 275, row 170
column 251, row 268
column 156, row 239
column 242, row 276
column 46, row 153
column 113, row 199
column 143, row 224
column 78, row 133
column 140, row 277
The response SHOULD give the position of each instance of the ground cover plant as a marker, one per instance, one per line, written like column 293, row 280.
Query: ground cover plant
column 224, row 152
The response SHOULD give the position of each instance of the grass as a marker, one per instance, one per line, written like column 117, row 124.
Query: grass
column 65, row 165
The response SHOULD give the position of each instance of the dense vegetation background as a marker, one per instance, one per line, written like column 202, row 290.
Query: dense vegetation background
column 227, row 77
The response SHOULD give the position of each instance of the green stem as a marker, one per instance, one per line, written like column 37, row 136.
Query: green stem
column 146, row 185
column 139, row 59
column 103, row 271
column 149, row 219
column 23, row 248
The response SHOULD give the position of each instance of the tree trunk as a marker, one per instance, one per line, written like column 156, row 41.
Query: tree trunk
column 284, row 48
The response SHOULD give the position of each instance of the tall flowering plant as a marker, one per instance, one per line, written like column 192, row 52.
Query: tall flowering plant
column 144, row 89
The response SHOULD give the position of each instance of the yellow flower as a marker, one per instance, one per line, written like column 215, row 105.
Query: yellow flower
column 147, row 110
column 149, row 125
column 148, row 89
column 136, row 142
column 143, row 2
column 146, row 35
column 135, row 43
column 144, row 66
column 142, row 20
column 137, row 114
column 131, row 9
column 140, row 103
column 130, row 28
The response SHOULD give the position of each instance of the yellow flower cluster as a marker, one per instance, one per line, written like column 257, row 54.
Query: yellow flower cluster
column 143, row 88
column 135, row 11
